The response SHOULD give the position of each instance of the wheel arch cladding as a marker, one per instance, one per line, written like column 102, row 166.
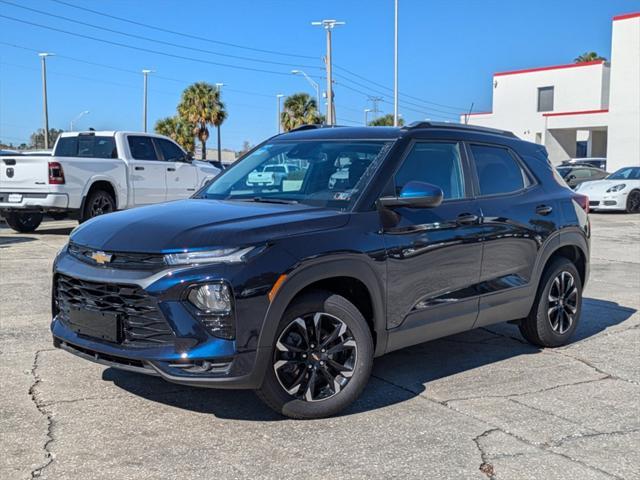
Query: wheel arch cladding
column 347, row 277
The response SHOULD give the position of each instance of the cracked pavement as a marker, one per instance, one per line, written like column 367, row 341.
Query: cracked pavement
column 482, row 404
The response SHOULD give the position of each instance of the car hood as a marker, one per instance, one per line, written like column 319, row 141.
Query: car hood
column 198, row 223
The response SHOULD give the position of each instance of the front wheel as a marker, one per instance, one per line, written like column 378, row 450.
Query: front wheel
column 321, row 360
column 26, row 222
column 633, row 202
column 556, row 310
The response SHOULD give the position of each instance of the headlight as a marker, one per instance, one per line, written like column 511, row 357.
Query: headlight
column 616, row 188
column 213, row 303
column 221, row 255
column 211, row 298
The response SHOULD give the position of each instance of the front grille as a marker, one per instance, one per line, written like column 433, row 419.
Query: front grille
column 594, row 203
column 142, row 322
column 131, row 261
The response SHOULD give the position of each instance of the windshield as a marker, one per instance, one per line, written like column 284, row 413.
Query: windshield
column 564, row 170
column 627, row 173
column 320, row 173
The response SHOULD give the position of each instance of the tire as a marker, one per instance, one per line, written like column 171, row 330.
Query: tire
column 98, row 203
column 551, row 323
column 633, row 202
column 26, row 222
column 349, row 366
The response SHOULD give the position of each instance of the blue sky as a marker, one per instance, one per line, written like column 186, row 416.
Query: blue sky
column 448, row 53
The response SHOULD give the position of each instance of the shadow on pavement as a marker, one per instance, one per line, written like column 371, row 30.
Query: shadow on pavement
column 411, row 369
column 6, row 241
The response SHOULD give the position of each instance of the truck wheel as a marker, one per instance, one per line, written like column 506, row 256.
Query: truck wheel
column 26, row 222
column 98, row 203
column 556, row 309
column 321, row 360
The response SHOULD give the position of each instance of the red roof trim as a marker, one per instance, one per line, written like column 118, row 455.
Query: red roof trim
column 555, row 67
column 626, row 15
column 583, row 112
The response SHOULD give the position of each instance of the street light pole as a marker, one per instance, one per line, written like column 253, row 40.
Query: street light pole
column 395, row 69
column 45, row 106
column 77, row 117
column 328, row 25
column 278, row 97
column 145, row 74
column 314, row 84
column 219, row 85
column 366, row 114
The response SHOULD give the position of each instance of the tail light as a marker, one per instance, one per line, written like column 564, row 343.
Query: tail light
column 56, row 174
column 582, row 200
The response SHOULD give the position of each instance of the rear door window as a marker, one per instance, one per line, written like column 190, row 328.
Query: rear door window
column 498, row 171
column 142, row 148
column 90, row 146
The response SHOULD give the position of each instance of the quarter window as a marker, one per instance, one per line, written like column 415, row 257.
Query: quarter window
column 435, row 163
column 545, row 99
column 142, row 148
column 498, row 172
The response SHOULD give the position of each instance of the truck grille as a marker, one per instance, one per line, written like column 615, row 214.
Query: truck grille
column 141, row 320
column 124, row 260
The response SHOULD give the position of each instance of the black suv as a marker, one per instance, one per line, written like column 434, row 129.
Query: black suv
column 381, row 238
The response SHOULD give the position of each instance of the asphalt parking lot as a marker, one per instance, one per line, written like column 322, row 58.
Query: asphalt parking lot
column 483, row 404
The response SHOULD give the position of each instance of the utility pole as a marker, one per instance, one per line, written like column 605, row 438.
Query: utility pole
column 395, row 68
column 45, row 107
column 366, row 113
column 328, row 25
column 219, row 85
column 374, row 101
column 278, row 97
column 145, row 74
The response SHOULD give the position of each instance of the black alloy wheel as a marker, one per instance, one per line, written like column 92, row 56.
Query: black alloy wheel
column 563, row 302
column 633, row 202
column 315, row 356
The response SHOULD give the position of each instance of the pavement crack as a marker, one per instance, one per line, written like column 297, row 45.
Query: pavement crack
column 36, row 399
column 485, row 467
column 571, row 438
column 592, row 366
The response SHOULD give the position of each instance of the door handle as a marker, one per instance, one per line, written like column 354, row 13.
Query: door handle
column 543, row 209
column 171, row 169
column 138, row 168
column 467, row 219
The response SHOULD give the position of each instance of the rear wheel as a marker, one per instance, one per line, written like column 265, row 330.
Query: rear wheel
column 556, row 311
column 98, row 203
column 633, row 202
column 321, row 360
column 23, row 222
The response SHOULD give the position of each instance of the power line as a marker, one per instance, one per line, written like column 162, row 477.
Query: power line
column 162, row 42
column 143, row 49
column 182, row 34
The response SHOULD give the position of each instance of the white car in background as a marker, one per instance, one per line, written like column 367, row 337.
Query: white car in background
column 619, row 191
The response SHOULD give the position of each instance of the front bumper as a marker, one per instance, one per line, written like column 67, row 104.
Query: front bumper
column 193, row 357
column 608, row 201
column 33, row 201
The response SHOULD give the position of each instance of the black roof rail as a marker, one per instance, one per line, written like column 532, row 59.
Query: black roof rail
column 311, row 126
column 458, row 126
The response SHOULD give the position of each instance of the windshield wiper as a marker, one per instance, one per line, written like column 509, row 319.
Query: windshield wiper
column 272, row 200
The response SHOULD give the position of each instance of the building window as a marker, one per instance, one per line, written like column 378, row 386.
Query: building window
column 545, row 99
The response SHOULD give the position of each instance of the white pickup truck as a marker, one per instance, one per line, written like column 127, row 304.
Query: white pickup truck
column 91, row 173
column 270, row 175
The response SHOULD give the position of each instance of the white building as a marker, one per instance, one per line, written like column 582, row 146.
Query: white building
column 587, row 109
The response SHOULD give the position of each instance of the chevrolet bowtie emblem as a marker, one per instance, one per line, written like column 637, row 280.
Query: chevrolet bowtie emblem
column 101, row 257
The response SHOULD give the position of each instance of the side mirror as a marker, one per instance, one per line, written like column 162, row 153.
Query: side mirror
column 571, row 177
column 188, row 158
column 415, row 195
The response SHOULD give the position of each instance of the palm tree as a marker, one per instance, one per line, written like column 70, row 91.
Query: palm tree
column 385, row 121
column 300, row 109
column 589, row 57
column 201, row 106
column 179, row 130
